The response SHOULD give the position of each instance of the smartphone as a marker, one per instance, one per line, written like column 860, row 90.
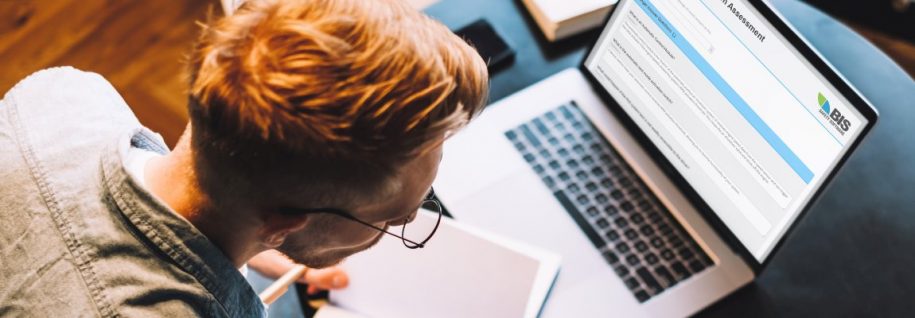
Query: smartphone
column 492, row 47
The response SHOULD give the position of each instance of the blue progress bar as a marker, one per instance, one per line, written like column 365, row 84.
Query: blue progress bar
column 742, row 107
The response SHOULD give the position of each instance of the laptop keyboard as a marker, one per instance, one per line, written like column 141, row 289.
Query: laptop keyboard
column 636, row 235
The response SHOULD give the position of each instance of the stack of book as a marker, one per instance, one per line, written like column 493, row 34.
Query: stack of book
column 559, row 19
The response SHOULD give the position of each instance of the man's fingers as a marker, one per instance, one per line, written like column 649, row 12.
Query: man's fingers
column 326, row 278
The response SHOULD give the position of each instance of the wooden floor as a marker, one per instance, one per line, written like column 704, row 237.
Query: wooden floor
column 139, row 46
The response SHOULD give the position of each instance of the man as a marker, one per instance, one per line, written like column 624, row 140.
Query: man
column 295, row 106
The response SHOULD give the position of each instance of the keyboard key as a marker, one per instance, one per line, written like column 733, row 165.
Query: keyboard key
column 602, row 223
column 549, row 181
column 651, row 258
column 615, row 171
column 581, row 175
column 676, row 241
column 566, row 112
column 606, row 159
column 563, row 176
column 601, row 198
column 644, row 205
column 554, row 164
column 621, row 222
column 611, row 257
column 622, row 247
column 588, row 160
column 647, row 230
column 696, row 266
column 563, row 152
column 583, row 199
column 511, row 135
column 667, row 255
column 579, row 149
column 649, row 279
column 631, row 234
column 592, row 211
column 594, row 147
column 539, row 169
column 530, row 136
column 636, row 194
column 587, row 136
column 665, row 274
column 641, row 246
column 607, row 183
column 572, row 163
column 642, row 296
column 578, row 125
column 621, row 270
column 573, row 188
column 591, row 186
column 665, row 229
column 568, row 137
column 612, row 235
column 597, row 172
column 633, row 260
column 553, row 141
column 626, row 206
column 611, row 210
column 685, row 253
column 657, row 242
column 637, row 219
column 680, row 270
column 632, row 283
column 545, row 154
column 520, row 146
column 529, row 157
column 616, row 194
column 541, row 127
column 654, row 216
column 551, row 116
column 625, row 182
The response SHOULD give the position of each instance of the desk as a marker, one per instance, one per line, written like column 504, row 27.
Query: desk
column 853, row 253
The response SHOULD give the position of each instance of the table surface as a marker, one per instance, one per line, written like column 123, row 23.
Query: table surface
column 854, row 252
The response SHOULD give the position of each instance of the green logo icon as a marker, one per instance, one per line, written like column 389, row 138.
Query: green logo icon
column 824, row 103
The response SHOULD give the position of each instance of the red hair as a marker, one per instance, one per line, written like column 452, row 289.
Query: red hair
column 331, row 84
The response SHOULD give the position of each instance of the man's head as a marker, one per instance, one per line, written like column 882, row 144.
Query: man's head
column 326, row 103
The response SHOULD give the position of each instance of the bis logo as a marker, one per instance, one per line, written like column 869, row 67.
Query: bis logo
column 834, row 116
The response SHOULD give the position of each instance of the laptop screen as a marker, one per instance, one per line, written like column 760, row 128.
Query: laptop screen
column 750, row 124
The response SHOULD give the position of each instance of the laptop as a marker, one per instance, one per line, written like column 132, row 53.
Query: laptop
column 669, row 166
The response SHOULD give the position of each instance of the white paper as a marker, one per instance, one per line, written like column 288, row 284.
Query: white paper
column 462, row 272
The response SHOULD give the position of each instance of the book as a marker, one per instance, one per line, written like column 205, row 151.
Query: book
column 229, row 6
column 462, row 271
column 559, row 19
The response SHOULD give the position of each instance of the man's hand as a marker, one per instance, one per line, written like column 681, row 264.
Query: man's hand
column 274, row 264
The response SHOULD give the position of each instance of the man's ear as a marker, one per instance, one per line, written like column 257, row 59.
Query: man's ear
column 277, row 226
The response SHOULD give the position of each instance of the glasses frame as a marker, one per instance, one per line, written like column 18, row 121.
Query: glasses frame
column 430, row 199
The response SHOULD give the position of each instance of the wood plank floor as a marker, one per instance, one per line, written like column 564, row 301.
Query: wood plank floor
column 140, row 45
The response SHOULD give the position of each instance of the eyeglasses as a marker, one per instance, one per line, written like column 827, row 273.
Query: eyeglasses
column 424, row 232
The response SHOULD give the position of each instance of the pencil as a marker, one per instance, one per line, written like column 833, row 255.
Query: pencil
column 279, row 287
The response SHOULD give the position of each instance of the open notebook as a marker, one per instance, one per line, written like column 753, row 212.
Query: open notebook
column 462, row 272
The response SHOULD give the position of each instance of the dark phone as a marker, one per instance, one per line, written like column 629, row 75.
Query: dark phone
column 494, row 50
